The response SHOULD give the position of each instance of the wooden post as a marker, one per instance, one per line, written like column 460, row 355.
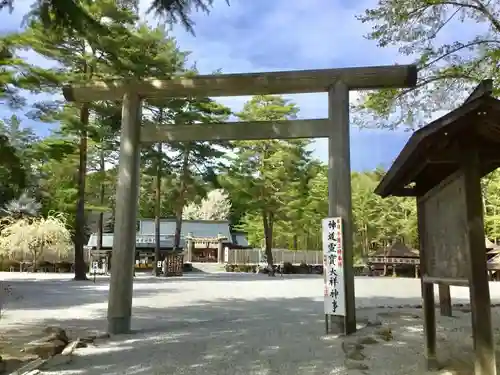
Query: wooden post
column 339, row 189
column 190, row 246
column 121, row 281
column 445, row 300
column 482, row 332
column 427, row 296
column 220, row 250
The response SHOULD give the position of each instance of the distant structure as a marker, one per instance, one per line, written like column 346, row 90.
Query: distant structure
column 493, row 260
column 201, row 241
column 398, row 258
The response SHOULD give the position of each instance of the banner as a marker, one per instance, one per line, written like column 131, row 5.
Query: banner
column 333, row 266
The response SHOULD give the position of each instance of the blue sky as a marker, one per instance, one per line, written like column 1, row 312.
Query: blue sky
column 264, row 35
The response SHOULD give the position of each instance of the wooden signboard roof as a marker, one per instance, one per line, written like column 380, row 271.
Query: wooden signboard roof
column 431, row 154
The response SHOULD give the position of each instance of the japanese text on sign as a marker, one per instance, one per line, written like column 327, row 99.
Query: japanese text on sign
column 333, row 263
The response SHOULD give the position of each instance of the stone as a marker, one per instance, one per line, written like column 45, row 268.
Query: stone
column 46, row 349
column 57, row 360
column 83, row 344
column 356, row 355
column 31, row 366
column 373, row 323
column 353, row 351
column 97, row 336
column 56, row 333
column 348, row 347
column 368, row 340
column 385, row 333
column 69, row 349
column 351, row 365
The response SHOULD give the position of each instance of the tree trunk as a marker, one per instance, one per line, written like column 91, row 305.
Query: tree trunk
column 182, row 194
column 80, row 271
column 157, row 269
column 367, row 242
column 295, row 242
column 102, row 192
column 35, row 261
column 267, row 221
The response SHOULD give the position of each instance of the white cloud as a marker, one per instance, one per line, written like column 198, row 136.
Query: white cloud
column 264, row 35
column 289, row 35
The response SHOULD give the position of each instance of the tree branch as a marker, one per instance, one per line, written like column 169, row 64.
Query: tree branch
column 457, row 49
column 483, row 8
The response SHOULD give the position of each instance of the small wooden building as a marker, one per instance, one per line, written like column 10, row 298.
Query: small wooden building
column 397, row 258
column 493, row 259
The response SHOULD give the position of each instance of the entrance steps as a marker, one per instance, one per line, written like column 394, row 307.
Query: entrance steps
column 208, row 267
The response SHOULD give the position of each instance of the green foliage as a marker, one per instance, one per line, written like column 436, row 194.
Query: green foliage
column 377, row 221
column 12, row 172
column 447, row 68
column 278, row 192
column 23, row 206
column 262, row 172
column 73, row 16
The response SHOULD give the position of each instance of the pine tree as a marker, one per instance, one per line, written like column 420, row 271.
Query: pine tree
column 143, row 52
column 75, row 17
column 261, row 171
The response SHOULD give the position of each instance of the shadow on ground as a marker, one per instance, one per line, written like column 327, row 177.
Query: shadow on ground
column 65, row 293
column 62, row 294
column 233, row 335
column 236, row 336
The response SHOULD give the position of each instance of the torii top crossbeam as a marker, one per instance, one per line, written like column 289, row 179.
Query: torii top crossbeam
column 266, row 83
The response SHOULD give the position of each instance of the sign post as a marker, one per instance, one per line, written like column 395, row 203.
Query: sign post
column 95, row 267
column 333, row 270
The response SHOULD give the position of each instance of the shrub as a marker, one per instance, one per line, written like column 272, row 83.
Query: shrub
column 7, row 264
column 35, row 237
column 288, row 268
column 45, row 266
column 318, row 270
column 245, row 268
column 63, row 266
column 248, row 268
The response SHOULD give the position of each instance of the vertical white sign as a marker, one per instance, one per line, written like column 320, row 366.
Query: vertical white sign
column 333, row 266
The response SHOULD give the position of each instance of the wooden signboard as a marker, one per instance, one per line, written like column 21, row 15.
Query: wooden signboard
column 174, row 265
column 446, row 235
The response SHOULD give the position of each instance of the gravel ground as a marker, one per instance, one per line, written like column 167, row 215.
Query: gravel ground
column 236, row 324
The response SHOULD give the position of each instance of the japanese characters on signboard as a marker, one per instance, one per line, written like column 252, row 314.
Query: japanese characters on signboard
column 333, row 263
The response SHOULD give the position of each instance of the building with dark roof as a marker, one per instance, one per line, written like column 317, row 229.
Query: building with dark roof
column 396, row 257
column 207, row 237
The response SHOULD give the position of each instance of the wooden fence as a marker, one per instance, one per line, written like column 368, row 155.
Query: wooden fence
column 254, row 256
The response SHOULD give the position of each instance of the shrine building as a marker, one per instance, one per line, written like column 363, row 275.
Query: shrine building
column 201, row 241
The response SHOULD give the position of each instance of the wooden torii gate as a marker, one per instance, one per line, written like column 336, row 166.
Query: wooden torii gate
column 337, row 82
